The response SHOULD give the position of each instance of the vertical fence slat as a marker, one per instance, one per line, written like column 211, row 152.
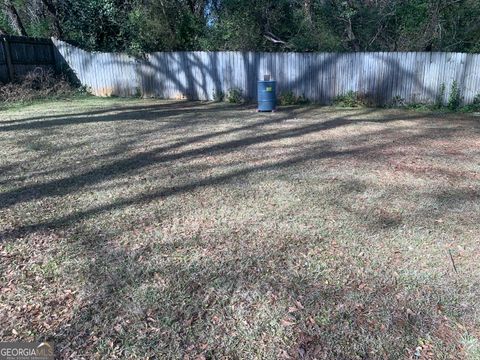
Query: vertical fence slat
column 415, row 77
column 8, row 60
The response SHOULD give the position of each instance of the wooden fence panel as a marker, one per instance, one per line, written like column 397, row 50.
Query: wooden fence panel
column 25, row 55
column 4, row 76
column 320, row 77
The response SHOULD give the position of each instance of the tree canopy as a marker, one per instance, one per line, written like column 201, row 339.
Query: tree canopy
column 138, row 26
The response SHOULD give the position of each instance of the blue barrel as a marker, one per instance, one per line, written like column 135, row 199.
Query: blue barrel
column 267, row 99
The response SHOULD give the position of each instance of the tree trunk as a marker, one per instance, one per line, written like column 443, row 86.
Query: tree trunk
column 352, row 39
column 57, row 28
column 14, row 18
column 307, row 9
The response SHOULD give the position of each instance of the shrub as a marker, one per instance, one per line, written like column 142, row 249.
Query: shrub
column 349, row 99
column 398, row 101
column 455, row 99
column 138, row 92
column 476, row 100
column 440, row 96
column 37, row 84
column 289, row 98
column 474, row 106
column 235, row 96
column 218, row 95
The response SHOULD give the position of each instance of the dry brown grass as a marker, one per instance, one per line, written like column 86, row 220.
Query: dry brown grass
column 136, row 229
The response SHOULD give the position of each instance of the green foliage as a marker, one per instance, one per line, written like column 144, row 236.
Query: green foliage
column 289, row 98
column 235, row 96
column 454, row 103
column 218, row 95
column 38, row 28
column 4, row 23
column 139, row 26
column 420, row 107
column 440, row 97
column 349, row 99
column 98, row 24
column 455, row 98
column 474, row 106
column 476, row 100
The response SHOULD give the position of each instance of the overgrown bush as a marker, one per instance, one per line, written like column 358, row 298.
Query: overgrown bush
column 289, row 98
column 218, row 95
column 37, row 84
column 350, row 99
column 235, row 96
column 455, row 98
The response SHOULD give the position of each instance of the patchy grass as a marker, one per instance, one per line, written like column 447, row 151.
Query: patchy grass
column 137, row 229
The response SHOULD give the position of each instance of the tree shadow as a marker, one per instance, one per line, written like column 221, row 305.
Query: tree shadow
column 342, row 314
column 164, row 154
column 188, row 110
column 380, row 78
column 117, row 168
column 181, row 304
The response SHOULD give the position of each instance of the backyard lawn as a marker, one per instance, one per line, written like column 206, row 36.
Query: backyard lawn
column 155, row 229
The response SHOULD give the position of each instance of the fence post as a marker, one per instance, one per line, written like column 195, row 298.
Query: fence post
column 8, row 58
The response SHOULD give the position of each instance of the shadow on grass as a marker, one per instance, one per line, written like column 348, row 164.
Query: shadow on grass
column 143, row 112
column 272, row 298
column 120, row 167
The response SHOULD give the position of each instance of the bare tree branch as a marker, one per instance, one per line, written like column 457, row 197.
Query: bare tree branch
column 276, row 40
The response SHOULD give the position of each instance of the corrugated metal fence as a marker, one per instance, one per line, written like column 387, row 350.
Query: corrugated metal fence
column 20, row 55
column 380, row 77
